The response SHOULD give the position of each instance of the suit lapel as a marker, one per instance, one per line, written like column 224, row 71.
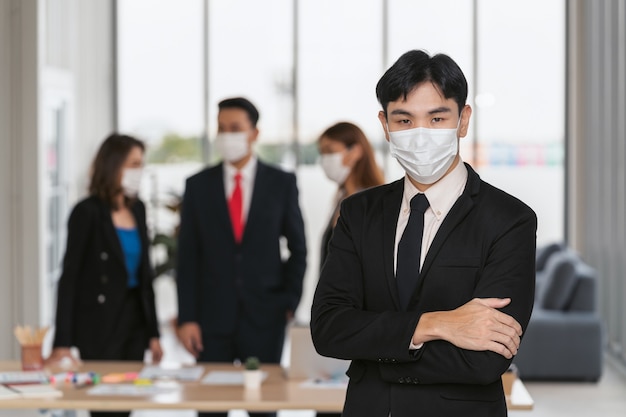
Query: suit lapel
column 457, row 213
column 391, row 211
column 110, row 234
column 216, row 197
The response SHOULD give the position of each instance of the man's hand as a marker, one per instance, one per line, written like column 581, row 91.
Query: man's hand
column 155, row 349
column 476, row 325
column 190, row 336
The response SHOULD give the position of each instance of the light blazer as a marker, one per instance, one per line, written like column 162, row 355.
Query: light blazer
column 93, row 283
column 485, row 247
column 220, row 281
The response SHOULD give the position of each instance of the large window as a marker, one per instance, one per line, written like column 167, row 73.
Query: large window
column 309, row 64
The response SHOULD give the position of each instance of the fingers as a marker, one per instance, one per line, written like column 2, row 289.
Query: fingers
column 479, row 325
column 494, row 302
column 190, row 336
column 157, row 355
column 156, row 350
column 509, row 342
column 189, row 344
column 504, row 318
column 193, row 344
column 197, row 345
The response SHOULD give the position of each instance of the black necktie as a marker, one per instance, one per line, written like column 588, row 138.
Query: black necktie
column 409, row 250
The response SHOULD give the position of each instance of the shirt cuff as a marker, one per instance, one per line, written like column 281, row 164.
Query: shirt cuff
column 415, row 347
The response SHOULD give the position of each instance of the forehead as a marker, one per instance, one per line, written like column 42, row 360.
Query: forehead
column 327, row 143
column 233, row 115
column 424, row 98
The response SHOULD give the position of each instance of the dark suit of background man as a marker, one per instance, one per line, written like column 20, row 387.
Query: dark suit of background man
column 434, row 341
column 235, row 290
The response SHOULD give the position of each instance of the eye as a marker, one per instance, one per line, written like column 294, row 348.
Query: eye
column 437, row 119
column 404, row 121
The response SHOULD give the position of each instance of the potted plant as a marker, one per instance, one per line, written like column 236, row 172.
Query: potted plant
column 252, row 375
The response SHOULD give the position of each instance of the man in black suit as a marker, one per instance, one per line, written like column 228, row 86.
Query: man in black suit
column 236, row 290
column 428, row 296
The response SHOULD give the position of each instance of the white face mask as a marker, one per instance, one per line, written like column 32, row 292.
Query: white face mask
column 233, row 146
column 425, row 154
column 335, row 170
column 131, row 181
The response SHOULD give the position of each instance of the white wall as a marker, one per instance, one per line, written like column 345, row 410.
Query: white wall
column 19, row 170
column 42, row 42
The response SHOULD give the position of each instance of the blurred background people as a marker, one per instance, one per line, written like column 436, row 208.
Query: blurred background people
column 237, row 288
column 105, row 299
column 347, row 158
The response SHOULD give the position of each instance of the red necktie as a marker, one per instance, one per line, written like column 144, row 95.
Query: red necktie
column 235, row 206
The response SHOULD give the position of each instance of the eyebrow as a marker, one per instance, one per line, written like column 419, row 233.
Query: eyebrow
column 442, row 109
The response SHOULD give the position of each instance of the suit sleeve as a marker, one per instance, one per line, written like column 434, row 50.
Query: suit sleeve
column 508, row 272
column 148, row 275
column 344, row 326
column 293, row 230
column 79, row 229
column 187, row 270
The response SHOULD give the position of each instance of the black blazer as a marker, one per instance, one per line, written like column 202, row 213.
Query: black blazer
column 485, row 247
column 93, row 284
column 220, row 281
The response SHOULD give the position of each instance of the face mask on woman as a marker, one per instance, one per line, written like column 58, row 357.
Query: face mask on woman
column 335, row 170
column 131, row 181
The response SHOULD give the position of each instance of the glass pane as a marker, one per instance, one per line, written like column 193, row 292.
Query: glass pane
column 251, row 55
column 340, row 61
column 520, row 112
column 160, row 98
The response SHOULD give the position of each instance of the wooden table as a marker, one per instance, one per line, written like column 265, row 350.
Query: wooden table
column 276, row 393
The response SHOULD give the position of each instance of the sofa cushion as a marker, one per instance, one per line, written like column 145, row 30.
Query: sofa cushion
column 559, row 282
column 584, row 295
column 544, row 253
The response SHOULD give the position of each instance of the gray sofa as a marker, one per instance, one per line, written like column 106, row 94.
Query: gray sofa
column 564, row 339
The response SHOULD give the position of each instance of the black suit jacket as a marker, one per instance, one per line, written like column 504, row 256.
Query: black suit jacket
column 93, row 284
column 220, row 282
column 485, row 247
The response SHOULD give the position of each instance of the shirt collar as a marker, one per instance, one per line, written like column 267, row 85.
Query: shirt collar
column 442, row 194
column 247, row 171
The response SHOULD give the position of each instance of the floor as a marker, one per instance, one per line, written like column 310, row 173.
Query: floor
column 607, row 398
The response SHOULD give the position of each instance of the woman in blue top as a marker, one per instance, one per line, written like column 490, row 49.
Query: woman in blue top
column 105, row 299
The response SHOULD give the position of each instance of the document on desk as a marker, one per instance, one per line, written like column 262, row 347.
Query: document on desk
column 7, row 393
column 36, row 390
column 226, row 378
column 192, row 373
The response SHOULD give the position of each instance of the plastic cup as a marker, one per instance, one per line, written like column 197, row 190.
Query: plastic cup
column 31, row 358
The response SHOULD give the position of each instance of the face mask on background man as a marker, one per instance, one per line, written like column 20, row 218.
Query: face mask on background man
column 233, row 146
column 424, row 153
column 335, row 170
column 131, row 181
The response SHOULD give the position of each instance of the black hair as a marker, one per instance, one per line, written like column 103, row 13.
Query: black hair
column 243, row 104
column 415, row 67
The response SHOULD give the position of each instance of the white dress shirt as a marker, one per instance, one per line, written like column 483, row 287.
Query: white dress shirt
column 442, row 195
column 248, row 173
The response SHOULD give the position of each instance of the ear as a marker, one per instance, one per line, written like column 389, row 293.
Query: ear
column 466, row 114
column 353, row 155
column 383, row 121
column 253, row 137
